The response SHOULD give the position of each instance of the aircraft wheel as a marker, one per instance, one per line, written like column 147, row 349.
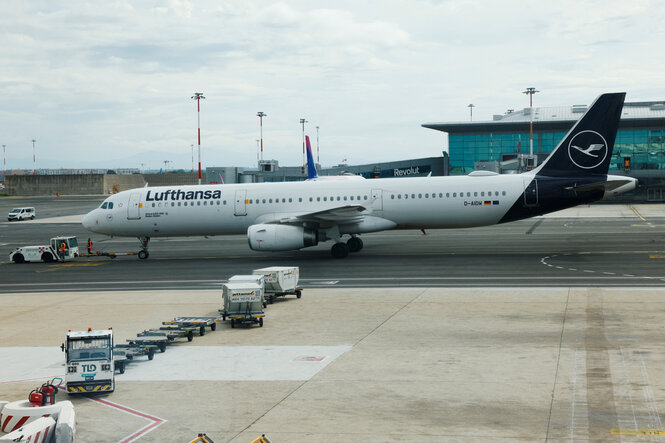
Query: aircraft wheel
column 143, row 255
column 339, row 250
column 355, row 244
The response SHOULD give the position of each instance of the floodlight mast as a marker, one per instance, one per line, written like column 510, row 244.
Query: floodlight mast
column 34, row 161
column 530, row 92
column 198, row 96
column 471, row 106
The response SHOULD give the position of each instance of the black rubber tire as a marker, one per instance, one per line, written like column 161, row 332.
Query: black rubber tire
column 151, row 354
column 265, row 305
column 162, row 347
column 223, row 317
column 121, row 367
column 202, row 331
column 213, row 326
column 339, row 250
column 32, row 217
column 18, row 258
column 261, row 322
column 271, row 300
column 47, row 257
column 355, row 244
column 233, row 323
column 298, row 293
column 190, row 336
column 143, row 255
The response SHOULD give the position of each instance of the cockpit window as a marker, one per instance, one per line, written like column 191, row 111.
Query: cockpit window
column 104, row 205
column 110, row 205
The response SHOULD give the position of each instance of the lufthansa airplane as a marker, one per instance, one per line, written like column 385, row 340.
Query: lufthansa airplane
column 293, row 215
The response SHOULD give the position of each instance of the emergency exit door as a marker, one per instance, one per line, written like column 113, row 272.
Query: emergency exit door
column 531, row 192
column 240, row 207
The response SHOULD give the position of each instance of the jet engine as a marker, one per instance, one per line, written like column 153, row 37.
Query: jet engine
column 269, row 237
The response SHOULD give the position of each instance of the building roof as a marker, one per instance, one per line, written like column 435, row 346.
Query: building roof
column 638, row 114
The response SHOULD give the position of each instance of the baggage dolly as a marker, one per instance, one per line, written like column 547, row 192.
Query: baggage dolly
column 193, row 323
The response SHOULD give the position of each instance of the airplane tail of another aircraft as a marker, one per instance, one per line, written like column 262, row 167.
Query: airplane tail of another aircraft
column 311, row 167
column 587, row 148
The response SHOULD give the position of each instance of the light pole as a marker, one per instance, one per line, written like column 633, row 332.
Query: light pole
column 530, row 92
column 471, row 106
column 34, row 162
column 261, row 114
column 4, row 163
column 317, row 145
column 303, row 121
column 198, row 96
column 257, row 151
column 166, row 165
column 192, row 145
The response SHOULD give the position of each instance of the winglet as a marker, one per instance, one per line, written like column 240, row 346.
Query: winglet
column 311, row 167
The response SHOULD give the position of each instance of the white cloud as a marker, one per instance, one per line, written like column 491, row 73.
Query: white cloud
column 109, row 83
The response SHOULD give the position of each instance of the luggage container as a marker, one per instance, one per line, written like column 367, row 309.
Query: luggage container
column 251, row 278
column 243, row 303
column 280, row 281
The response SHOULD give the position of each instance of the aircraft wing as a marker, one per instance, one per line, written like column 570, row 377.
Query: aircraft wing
column 339, row 215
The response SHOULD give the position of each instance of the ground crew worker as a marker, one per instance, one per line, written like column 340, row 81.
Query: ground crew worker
column 63, row 247
column 89, row 246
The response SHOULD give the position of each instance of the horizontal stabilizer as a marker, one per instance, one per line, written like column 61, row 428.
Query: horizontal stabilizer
column 600, row 186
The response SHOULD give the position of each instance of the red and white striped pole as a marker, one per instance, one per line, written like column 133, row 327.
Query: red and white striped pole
column 303, row 121
column 261, row 114
column 198, row 96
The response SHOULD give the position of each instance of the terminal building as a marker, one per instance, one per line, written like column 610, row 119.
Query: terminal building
column 502, row 145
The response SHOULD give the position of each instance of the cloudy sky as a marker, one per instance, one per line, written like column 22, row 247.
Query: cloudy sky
column 108, row 84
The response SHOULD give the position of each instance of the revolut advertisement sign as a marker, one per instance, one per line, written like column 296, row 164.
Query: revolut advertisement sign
column 411, row 171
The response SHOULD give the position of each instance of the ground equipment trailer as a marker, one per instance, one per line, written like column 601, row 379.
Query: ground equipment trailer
column 47, row 253
column 191, row 324
column 90, row 362
column 280, row 281
column 243, row 303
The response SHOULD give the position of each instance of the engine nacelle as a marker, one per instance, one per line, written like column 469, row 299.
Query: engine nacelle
column 268, row 237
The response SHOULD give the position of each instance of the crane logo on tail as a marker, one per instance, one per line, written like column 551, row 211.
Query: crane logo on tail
column 587, row 149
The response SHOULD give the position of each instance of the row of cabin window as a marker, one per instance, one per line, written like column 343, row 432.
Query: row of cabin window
column 198, row 203
column 454, row 194
column 318, row 199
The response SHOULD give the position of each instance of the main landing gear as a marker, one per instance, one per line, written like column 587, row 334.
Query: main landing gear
column 341, row 249
column 143, row 253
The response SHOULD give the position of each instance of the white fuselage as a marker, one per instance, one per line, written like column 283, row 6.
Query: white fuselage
column 430, row 202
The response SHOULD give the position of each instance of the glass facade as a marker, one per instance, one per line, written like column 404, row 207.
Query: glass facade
column 634, row 149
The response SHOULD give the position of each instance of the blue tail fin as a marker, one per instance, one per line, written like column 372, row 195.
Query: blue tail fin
column 587, row 148
column 311, row 167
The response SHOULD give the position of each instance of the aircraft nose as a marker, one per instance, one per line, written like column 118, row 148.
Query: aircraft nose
column 89, row 221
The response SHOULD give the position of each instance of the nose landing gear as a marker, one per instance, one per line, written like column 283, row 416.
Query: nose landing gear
column 143, row 253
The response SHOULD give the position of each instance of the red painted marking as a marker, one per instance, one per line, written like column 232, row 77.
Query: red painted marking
column 156, row 421
column 9, row 417
column 20, row 423
column 37, row 436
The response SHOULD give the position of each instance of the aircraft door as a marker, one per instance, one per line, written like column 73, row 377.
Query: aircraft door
column 133, row 207
column 531, row 192
column 240, row 207
column 377, row 199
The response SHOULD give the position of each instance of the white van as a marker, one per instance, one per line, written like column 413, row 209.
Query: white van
column 21, row 214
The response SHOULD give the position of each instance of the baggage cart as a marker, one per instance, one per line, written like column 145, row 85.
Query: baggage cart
column 280, row 281
column 192, row 324
column 251, row 278
column 243, row 303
